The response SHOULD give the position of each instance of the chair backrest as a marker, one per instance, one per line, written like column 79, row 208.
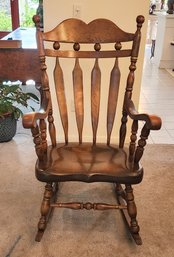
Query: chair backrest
column 74, row 34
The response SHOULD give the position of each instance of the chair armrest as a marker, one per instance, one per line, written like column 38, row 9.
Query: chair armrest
column 29, row 120
column 153, row 122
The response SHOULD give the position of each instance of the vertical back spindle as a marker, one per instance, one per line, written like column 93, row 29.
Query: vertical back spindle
column 112, row 99
column 78, row 97
column 95, row 97
column 60, row 92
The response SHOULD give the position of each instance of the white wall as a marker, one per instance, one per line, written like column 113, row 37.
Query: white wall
column 164, row 54
column 124, row 14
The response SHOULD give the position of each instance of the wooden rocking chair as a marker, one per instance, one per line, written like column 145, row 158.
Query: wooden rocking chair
column 89, row 161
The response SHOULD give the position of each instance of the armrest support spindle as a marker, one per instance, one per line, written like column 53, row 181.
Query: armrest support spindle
column 152, row 122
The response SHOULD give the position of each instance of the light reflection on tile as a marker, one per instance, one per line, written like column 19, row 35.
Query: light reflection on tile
column 157, row 97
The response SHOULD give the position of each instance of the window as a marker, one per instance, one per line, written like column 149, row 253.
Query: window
column 16, row 13
column 9, row 16
column 27, row 8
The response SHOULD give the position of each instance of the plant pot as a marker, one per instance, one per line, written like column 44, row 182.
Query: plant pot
column 8, row 125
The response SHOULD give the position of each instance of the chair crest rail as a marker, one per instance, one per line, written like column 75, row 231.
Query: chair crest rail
column 75, row 30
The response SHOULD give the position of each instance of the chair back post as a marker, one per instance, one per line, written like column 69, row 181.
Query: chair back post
column 44, row 89
column 135, row 51
column 130, row 79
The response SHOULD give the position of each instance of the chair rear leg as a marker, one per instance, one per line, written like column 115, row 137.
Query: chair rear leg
column 120, row 192
column 126, row 197
column 45, row 209
column 132, row 211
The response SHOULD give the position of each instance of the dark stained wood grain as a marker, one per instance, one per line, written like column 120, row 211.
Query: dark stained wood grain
column 130, row 78
column 52, row 129
column 75, row 30
column 89, row 161
column 137, row 37
column 78, row 97
column 37, row 141
column 127, row 196
column 43, row 135
column 112, row 99
column 123, row 128
column 89, row 206
column 60, row 92
column 95, row 97
column 88, row 54
column 132, row 211
column 45, row 210
column 133, row 139
column 141, row 143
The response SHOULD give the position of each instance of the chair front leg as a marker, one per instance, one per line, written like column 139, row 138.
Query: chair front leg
column 45, row 210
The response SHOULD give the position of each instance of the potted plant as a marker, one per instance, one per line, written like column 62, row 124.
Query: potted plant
column 12, row 102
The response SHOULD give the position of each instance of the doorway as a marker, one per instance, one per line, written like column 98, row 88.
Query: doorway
column 9, row 16
column 16, row 13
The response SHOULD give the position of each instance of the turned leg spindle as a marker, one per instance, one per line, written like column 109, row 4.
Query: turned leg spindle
column 45, row 209
column 132, row 211
column 133, row 140
column 141, row 144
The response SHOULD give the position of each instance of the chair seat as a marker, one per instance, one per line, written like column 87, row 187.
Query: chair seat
column 87, row 163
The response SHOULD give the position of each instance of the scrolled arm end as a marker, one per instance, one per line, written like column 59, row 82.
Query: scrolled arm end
column 153, row 122
column 29, row 120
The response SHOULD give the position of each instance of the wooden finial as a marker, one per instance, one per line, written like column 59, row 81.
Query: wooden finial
column 36, row 20
column 140, row 20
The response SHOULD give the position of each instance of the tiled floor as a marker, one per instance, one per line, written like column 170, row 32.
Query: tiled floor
column 157, row 97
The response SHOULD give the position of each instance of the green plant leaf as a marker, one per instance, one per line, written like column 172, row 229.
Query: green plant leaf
column 33, row 96
column 12, row 89
column 17, row 113
column 12, row 99
column 32, row 108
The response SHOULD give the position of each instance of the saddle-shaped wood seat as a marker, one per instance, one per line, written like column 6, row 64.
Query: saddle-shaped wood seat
column 88, row 163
